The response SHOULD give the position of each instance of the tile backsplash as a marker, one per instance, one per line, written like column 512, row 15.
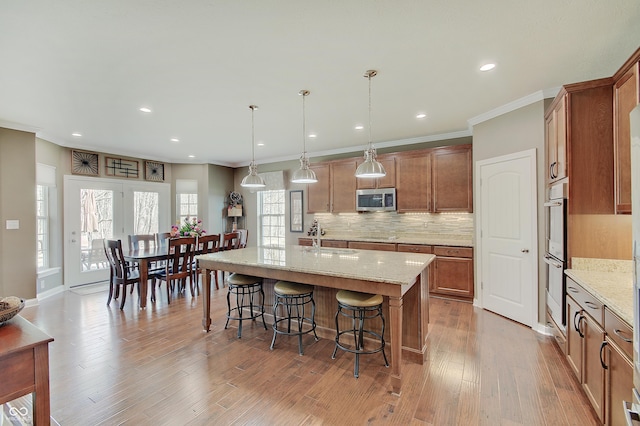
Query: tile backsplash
column 393, row 224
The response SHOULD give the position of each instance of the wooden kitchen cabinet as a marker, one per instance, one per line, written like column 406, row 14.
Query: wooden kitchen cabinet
column 618, row 355
column 366, row 245
column 451, row 179
column 335, row 191
column 453, row 272
column 593, row 373
column 625, row 99
column 413, row 182
column 573, row 348
column 389, row 181
column 556, row 140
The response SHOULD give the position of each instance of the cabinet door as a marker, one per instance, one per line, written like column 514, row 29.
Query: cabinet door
column 343, row 186
column 592, row 371
column 451, row 177
column 363, row 245
column 625, row 98
column 550, row 145
column 318, row 194
column 556, row 141
column 413, row 182
column 389, row 181
column 619, row 383
column 574, row 341
column 453, row 276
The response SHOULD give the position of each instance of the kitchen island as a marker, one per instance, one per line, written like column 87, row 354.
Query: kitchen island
column 402, row 278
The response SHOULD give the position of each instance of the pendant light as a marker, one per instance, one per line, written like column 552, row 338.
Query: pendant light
column 371, row 168
column 304, row 174
column 252, row 180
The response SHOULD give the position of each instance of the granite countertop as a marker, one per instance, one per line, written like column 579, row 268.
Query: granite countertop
column 370, row 265
column 613, row 289
column 431, row 239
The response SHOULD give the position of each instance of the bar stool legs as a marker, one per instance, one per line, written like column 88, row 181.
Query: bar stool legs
column 244, row 287
column 293, row 297
column 360, row 307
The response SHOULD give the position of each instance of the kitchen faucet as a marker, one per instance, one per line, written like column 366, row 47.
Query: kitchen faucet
column 318, row 243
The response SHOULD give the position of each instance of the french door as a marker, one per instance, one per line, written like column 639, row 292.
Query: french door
column 98, row 209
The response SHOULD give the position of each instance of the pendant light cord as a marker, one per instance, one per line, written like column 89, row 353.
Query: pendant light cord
column 304, row 128
column 369, row 77
column 253, row 140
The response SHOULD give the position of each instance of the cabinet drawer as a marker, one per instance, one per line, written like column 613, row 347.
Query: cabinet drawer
column 586, row 301
column 372, row 246
column 453, row 251
column 335, row 243
column 415, row 248
column 305, row 242
column 619, row 331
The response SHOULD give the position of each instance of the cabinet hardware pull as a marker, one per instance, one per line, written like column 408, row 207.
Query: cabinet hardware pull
column 572, row 289
column 525, row 250
column 619, row 334
column 591, row 305
column 576, row 325
column 604, row 343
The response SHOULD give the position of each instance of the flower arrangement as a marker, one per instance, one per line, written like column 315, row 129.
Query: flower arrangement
column 191, row 227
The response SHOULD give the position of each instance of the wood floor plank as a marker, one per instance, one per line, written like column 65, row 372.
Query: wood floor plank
column 157, row 367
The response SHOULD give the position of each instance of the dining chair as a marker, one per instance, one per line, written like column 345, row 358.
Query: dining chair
column 230, row 241
column 162, row 239
column 121, row 275
column 243, row 237
column 178, row 266
column 204, row 244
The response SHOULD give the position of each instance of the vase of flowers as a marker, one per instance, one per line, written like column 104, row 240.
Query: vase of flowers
column 190, row 227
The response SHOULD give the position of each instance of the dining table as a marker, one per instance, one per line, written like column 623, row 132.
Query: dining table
column 402, row 278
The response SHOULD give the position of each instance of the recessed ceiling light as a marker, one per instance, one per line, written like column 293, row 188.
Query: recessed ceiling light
column 191, row 156
column 260, row 143
column 145, row 109
column 313, row 135
column 175, row 140
column 359, row 127
column 76, row 134
column 421, row 115
column 487, row 67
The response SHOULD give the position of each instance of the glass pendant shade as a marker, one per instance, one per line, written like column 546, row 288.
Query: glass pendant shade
column 304, row 174
column 252, row 180
column 371, row 168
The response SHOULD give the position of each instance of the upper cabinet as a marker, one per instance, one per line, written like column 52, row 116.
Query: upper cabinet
column 625, row 98
column 413, row 181
column 389, row 181
column 452, row 179
column 335, row 191
column 556, row 140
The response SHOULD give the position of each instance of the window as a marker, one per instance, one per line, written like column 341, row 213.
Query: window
column 42, row 226
column 187, row 206
column 271, row 223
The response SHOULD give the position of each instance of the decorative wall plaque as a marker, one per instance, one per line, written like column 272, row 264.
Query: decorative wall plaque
column 154, row 171
column 122, row 168
column 84, row 163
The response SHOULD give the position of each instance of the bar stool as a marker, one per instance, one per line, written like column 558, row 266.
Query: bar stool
column 293, row 296
column 361, row 307
column 245, row 287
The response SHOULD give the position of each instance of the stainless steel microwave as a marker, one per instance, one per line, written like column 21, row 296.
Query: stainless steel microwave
column 374, row 200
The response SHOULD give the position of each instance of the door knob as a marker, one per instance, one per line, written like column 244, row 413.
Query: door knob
column 525, row 250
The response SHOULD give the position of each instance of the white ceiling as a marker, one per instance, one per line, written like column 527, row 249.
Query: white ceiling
column 87, row 66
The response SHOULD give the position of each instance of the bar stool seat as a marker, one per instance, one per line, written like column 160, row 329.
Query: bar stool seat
column 293, row 297
column 359, row 307
column 245, row 288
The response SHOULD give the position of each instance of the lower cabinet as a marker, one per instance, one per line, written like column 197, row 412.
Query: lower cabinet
column 599, row 351
column 453, row 272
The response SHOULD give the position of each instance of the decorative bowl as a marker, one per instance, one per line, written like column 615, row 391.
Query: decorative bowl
column 9, row 308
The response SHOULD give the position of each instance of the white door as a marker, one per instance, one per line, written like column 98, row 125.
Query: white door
column 99, row 209
column 508, row 236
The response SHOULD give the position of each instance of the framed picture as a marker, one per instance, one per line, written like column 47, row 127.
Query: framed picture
column 122, row 168
column 84, row 163
column 154, row 171
column 296, row 218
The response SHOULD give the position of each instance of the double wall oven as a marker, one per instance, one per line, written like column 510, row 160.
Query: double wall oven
column 556, row 251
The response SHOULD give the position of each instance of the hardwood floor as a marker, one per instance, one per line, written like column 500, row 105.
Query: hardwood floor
column 158, row 367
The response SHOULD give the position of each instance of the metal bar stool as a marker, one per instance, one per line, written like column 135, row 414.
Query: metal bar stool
column 361, row 307
column 293, row 296
column 245, row 287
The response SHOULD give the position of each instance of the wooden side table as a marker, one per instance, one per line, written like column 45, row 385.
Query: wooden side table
column 24, row 357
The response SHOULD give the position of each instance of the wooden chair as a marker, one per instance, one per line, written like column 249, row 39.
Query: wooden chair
column 178, row 266
column 121, row 275
column 243, row 236
column 162, row 239
column 205, row 244
column 230, row 241
column 142, row 241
